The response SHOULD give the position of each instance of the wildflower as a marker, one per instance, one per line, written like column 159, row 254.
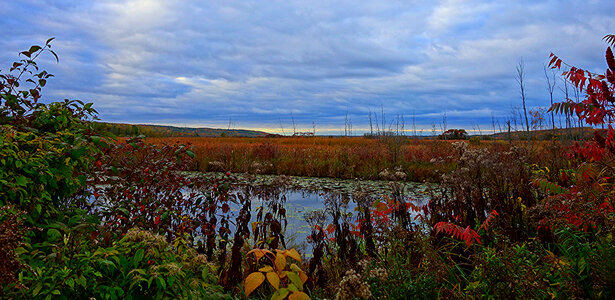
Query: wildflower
column 379, row 273
column 352, row 286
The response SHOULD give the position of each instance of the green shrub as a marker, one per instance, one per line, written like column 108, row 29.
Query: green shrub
column 140, row 265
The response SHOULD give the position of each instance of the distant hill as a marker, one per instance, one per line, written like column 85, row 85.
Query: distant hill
column 121, row 129
column 582, row 133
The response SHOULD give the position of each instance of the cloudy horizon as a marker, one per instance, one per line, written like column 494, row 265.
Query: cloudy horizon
column 262, row 64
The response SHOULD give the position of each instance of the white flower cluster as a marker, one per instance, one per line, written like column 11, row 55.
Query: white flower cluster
column 397, row 174
column 352, row 286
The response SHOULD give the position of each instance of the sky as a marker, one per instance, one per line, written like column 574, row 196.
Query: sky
column 262, row 64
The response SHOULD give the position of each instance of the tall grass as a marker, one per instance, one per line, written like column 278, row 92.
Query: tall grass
column 339, row 157
column 342, row 157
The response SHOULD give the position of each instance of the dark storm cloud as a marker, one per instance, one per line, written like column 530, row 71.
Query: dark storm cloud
column 256, row 62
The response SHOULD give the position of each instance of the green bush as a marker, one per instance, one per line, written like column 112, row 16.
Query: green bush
column 140, row 265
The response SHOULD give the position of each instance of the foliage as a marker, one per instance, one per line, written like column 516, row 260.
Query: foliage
column 588, row 203
column 467, row 235
column 46, row 149
column 128, row 130
column 454, row 134
column 11, row 235
column 286, row 282
column 138, row 265
column 50, row 163
column 484, row 181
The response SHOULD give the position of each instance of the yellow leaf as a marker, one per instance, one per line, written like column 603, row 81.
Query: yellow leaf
column 280, row 262
column 298, row 296
column 273, row 278
column 303, row 276
column 266, row 269
column 294, row 254
column 259, row 253
column 253, row 281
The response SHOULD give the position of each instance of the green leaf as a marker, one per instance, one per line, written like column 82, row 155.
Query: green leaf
column 34, row 49
column 280, row 294
column 292, row 288
column 138, row 256
column 70, row 282
column 190, row 153
column 53, row 234
column 21, row 180
column 125, row 211
column 37, row 289
column 81, row 280
column 82, row 179
column 77, row 153
column 161, row 283
column 295, row 279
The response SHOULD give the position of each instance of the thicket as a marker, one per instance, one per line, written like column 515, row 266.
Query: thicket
column 85, row 216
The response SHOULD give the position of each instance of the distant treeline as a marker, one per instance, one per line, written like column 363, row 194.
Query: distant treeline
column 120, row 129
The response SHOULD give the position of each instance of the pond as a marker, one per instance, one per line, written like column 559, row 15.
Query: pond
column 304, row 194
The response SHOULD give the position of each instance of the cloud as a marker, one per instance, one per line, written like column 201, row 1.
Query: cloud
column 201, row 63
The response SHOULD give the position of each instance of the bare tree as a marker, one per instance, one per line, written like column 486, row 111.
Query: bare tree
column 509, row 136
column 550, row 88
column 382, row 119
column 445, row 121
column 371, row 126
column 313, row 128
column 376, row 122
column 513, row 117
column 443, row 125
column 413, row 124
column 294, row 125
column 568, row 117
column 350, row 126
column 520, row 78
column 346, row 124
column 281, row 126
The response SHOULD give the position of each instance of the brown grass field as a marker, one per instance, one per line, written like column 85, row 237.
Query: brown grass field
column 335, row 157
